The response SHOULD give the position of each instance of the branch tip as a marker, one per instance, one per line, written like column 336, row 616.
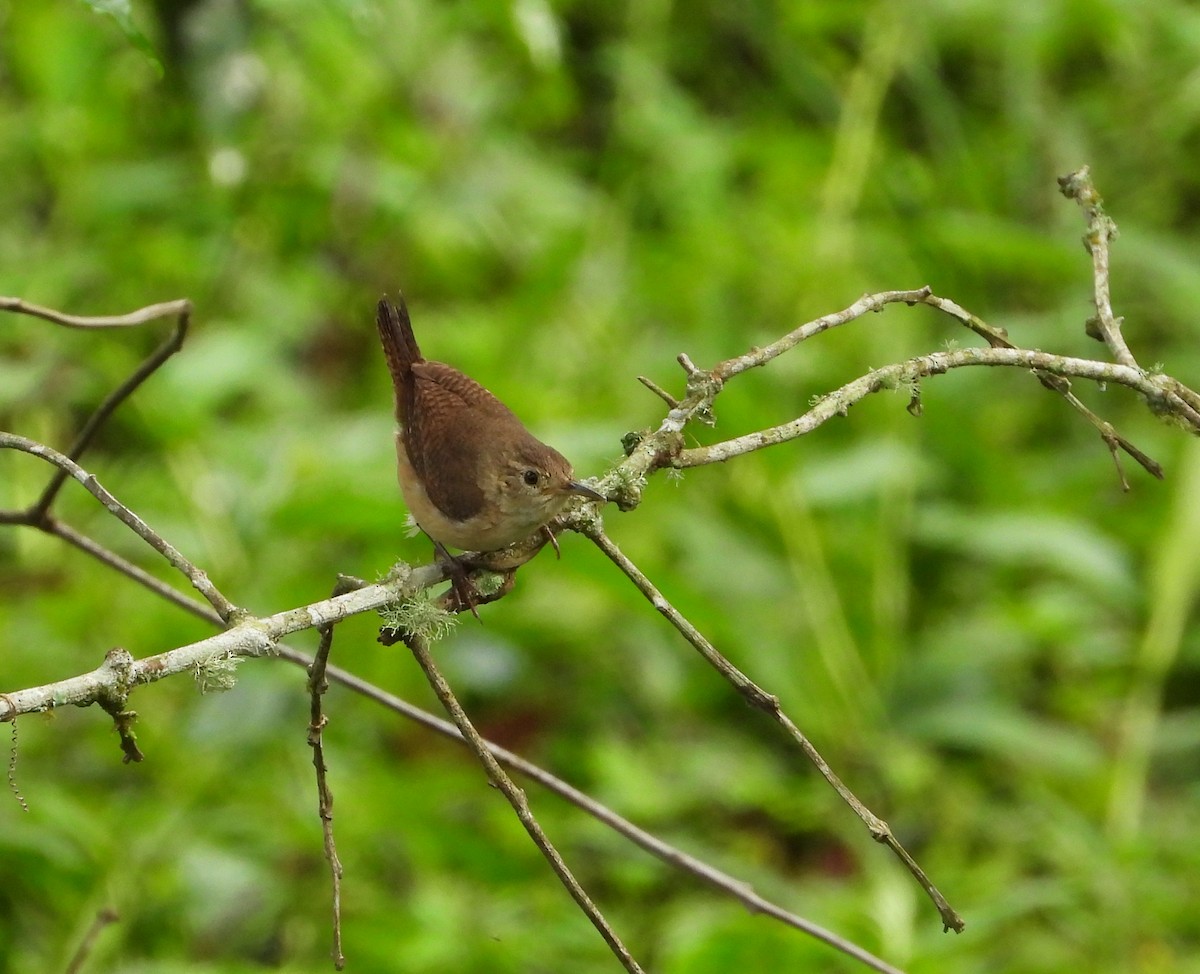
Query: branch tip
column 659, row 391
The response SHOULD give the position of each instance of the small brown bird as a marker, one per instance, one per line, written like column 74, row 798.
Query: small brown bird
column 472, row 475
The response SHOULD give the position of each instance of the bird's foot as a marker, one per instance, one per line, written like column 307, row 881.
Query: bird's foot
column 466, row 596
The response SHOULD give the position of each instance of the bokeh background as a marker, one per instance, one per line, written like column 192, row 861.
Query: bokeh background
column 994, row 645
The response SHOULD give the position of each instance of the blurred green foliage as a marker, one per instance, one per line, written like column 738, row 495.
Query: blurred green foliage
column 995, row 647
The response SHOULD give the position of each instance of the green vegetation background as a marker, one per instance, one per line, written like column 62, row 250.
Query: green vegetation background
column 995, row 646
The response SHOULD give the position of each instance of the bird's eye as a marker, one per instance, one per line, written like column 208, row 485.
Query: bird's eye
column 531, row 477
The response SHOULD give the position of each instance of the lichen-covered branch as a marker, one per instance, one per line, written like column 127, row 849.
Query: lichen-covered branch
column 1101, row 230
column 248, row 638
column 1160, row 392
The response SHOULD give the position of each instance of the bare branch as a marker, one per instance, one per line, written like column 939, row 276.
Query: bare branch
column 664, row 447
column 166, row 309
column 317, row 685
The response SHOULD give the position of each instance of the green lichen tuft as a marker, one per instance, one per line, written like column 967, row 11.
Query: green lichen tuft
column 421, row 617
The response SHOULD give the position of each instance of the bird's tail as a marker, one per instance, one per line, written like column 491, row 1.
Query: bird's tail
column 399, row 347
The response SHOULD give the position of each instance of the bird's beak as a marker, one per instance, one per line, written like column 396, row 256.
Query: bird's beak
column 591, row 493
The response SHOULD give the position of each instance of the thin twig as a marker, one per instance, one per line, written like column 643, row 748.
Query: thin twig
column 102, row 919
column 658, row 390
column 317, row 685
column 140, row 317
column 769, row 703
column 1101, row 230
column 516, row 798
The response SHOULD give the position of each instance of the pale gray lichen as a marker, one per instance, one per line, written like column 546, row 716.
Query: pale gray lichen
column 217, row 675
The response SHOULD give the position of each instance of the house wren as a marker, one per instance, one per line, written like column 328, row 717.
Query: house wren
column 472, row 475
